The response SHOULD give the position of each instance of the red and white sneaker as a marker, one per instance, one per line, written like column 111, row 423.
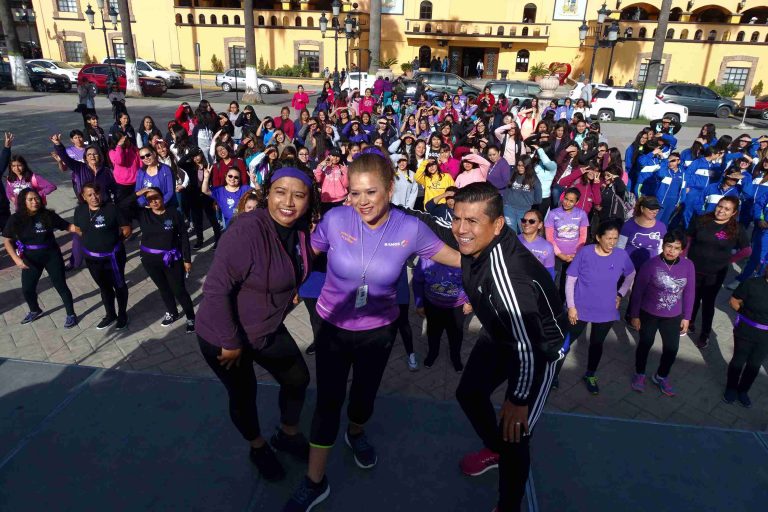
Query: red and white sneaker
column 477, row 463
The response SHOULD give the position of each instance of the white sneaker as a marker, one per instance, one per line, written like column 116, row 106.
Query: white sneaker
column 733, row 284
column 413, row 364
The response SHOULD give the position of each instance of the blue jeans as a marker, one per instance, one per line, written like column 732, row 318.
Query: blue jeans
column 512, row 217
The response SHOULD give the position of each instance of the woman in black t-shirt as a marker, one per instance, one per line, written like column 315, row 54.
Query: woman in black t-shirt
column 30, row 242
column 104, row 228
column 165, row 255
column 712, row 238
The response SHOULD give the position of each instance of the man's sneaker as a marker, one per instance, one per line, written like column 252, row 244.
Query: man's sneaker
column 70, row 322
column 365, row 453
column 591, row 382
column 168, row 319
column 638, row 382
column 32, row 316
column 429, row 361
column 477, row 463
column 730, row 395
column 691, row 328
column 190, row 326
column 744, row 400
column 296, row 445
column 702, row 342
column 413, row 364
column 122, row 322
column 269, row 467
column 664, row 385
column 308, row 495
column 311, row 349
column 733, row 284
column 106, row 322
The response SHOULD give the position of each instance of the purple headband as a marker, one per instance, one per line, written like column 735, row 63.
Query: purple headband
column 292, row 172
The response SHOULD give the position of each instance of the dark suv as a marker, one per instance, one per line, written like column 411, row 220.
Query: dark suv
column 698, row 99
column 446, row 82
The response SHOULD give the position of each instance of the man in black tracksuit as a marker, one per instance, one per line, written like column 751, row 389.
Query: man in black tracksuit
column 523, row 320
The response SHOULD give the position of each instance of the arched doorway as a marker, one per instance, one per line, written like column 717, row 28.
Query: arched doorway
column 425, row 56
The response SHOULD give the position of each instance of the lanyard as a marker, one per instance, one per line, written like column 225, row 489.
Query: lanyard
column 362, row 246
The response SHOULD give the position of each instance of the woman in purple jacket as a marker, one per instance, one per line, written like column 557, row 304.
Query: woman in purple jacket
column 275, row 236
column 662, row 300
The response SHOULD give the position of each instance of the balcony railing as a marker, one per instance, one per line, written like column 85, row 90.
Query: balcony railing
column 272, row 18
column 487, row 30
column 709, row 33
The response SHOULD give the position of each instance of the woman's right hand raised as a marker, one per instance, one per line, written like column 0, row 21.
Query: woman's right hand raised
column 229, row 357
column 56, row 139
column 8, row 139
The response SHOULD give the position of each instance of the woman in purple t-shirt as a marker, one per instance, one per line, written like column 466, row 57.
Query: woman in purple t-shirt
column 531, row 225
column 367, row 245
column 591, row 293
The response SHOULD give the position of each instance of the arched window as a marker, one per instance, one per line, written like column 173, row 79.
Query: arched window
column 712, row 35
column 643, row 32
column 201, row 19
column 500, row 31
column 697, row 36
column 521, row 61
column 525, row 31
column 297, row 22
column 214, row 21
column 674, row 14
column 427, row 27
column 654, row 33
column 225, row 20
column 425, row 56
column 237, row 20
column 529, row 13
column 311, row 22
column 285, row 21
column 273, row 21
column 178, row 19
column 755, row 37
column 671, row 33
column 190, row 19
column 684, row 34
column 416, row 27
column 726, row 36
column 711, row 15
column 259, row 22
column 425, row 10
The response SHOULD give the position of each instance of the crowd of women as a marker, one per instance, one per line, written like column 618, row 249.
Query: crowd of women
column 655, row 227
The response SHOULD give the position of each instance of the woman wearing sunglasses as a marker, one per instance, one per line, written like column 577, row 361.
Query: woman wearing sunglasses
column 226, row 196
column 155, row 174
column 531, row 227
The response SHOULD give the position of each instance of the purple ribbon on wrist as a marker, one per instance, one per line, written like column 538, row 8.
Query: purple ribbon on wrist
column 168, row 256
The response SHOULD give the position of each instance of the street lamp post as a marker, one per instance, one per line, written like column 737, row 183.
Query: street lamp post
column 346, row 29
column 613, row 38
column 27, row 16
column 90, row 14
column 602, row 14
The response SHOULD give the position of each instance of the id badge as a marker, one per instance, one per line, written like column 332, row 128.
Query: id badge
column 361, row 299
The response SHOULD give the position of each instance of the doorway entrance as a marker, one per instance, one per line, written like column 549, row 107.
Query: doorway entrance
column 463, row 61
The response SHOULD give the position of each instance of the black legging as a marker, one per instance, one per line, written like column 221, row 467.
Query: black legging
column 750, row 348
column 52, row 262
column 404, row 328
column 281, row 357
column 670, row 342
column 200, row 204
column 170, row 283
column 450, row 320
column 707, row 288
column 563, row 269
column 597, row 337
column 104, row 276
column 125, row 199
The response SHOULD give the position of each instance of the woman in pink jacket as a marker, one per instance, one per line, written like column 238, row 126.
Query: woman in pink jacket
column 587, row 180
column 124, row 156
column 474, row 168
column 300, row 100
column 20, row 177
column 331, row 174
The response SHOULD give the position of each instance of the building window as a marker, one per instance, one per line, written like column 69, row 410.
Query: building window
column 118, row 50
column 643, row 33
column 68, row 6
column 736, row 76
column 684, row 34
column 644, row 71
column 178, row 19
column 273, row 21
column 312, row 58
column 521, row 62
column 201, row 19
column 500, row 31
column 712, row 35
column 225, row 20
column 697, row 35
column 260, row 21
column 237, row 20
column 214, row 21
column 237, row 56
column 73, row 51
column 525, row 31
column 425, row 56
column 298, row 21
column 755, row 38
column 529, row 13
column 671, row 33
column 425, row 10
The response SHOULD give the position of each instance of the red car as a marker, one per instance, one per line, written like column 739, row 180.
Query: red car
column 98, row 75
column 760, row 109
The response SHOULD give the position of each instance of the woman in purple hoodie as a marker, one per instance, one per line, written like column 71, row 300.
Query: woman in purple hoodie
column 274, row 236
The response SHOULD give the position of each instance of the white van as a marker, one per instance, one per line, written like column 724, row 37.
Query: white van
column 152, row 69
column 357, row 79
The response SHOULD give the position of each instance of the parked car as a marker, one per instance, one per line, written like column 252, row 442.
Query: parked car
column 575, row 93
column 234, row 79
column 57, row 68
column 358, row 80
column 760, row 109
column 446, row 82
column 609, row 104
column 522, row 90
column 698, row 99
column 152, row 69
column 42, row 81
column 100, row 75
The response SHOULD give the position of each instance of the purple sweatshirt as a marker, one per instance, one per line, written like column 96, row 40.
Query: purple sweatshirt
column 439, row 284
column 663, row 291
column 241, row 300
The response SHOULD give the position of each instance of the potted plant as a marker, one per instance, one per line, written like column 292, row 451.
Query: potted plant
column 385, row 66
column 407, row 69
column 537, row 72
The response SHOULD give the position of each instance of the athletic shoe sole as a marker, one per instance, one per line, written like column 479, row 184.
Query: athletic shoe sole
column 320, row 498
column 487, row 469
column 359, row 464
column 106, row 326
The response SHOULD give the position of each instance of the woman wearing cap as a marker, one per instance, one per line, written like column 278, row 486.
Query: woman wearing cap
column 274, row 235
column 227, row 196
column 641, row 236
column 523, row 192
column 406, row 188
column 403, row 146
column 331, row 175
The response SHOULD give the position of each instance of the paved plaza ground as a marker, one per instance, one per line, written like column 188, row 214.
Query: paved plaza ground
column 698, row 375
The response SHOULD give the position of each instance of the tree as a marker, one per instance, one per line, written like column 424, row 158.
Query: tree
column 132, row 85
column 252, row 93
column 15, row 58
column 654, row 65
column 374, row 36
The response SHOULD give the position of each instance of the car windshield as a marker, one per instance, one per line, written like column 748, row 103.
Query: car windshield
column 36, row 69
column 156, row 65
column 63, row 65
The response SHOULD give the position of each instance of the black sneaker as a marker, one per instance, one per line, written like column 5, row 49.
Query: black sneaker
column 106, row 322
column 190, row 326
column 308, row 495
column 268, row 465
column 730, row 395
column 365, row 453
column 702, row 342
column 168, row 319
column 122, row 322
column 458, row 367
column 311, row 349
column 744, row 400
column 297, row 445
column 31, row 317
column 429, row 361
column 70, row 321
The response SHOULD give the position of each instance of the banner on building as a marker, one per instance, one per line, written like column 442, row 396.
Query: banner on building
column 391, row 6
column 569, row 10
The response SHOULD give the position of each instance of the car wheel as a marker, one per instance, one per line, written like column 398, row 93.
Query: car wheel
column 764, row 115
column 674, row 117
column 605, row 115
column 38, row 87
column 68, row 87
column 723, row 112
column 226, row 87
column 264, row 89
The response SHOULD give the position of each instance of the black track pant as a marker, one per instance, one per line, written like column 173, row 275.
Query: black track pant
column 597, row 337
column 281, row 357
column 707, row 288
column 749, row 353
column 102, row 273
column 170, row 283
column 52, row 262
column 450, row 320
column 486, row 370
column 404, row 328
column 670, row 340
column 204, row 205
column 339, row 351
